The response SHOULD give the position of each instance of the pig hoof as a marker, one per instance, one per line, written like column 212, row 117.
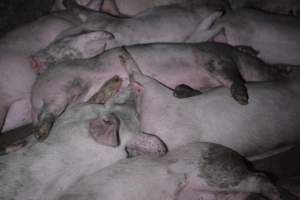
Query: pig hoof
column 184, row 91
column 42, row 132
column 239, row 93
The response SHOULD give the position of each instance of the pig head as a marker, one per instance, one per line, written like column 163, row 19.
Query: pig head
column 15, row 50
column 92, row 4
column 84, row 139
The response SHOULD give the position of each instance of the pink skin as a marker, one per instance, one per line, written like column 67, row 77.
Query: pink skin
column 133, row 7
column 77, row 80
column 183, row 21
column 184, row 173
column 17, row 75
column 18, row 70
column 46, row 169
column 275, row 37
column 92, row 4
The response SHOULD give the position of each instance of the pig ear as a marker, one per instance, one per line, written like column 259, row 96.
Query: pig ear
column 94, row 5
column 92, row 43
column 210, row 20
column 145, row 144
column 105, row 131
column 220, row 36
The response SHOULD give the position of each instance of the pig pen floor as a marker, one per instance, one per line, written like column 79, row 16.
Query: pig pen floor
column 284, row 167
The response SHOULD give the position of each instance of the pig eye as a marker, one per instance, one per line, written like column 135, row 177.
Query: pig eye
column 106, row 121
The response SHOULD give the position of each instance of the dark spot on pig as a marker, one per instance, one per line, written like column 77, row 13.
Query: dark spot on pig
column 184, row 91
column 239, row 93
column 172, row 161
column 222, row 167
column 123, row 60
column 210, row 66
column 76, row 87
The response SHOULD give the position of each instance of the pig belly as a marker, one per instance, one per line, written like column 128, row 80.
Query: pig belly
column 171, row 76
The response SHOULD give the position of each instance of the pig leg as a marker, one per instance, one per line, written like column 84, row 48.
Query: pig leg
column 204, row 30
column 226, row 72
column 84, row 28
column 42, row 129
column 184, row 91
column 71, row 32
column 108, row 89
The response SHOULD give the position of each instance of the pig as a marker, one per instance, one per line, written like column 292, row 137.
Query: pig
column 264, row 127
column 275, row 37
column 201, row 66
column 133, row 7
column 203, row 117
column 194, row 171
column 173, row 23
column 287, row 7
column 16, row 72
column 82, row 143
column 92, row 4
column 17, row 75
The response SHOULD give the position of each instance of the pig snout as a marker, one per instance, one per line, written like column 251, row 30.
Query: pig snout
column 38, row 64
